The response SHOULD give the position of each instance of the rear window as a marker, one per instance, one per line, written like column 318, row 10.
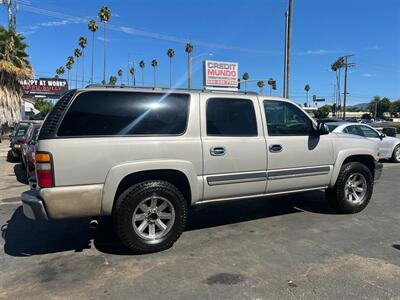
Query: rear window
column 331, row 127
column 99, row 113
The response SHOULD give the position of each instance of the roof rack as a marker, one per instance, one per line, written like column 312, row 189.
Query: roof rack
column 106, row 86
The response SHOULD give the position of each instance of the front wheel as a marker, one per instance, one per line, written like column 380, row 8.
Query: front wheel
column 396, row 154
column 353, row 189
column 150, row 216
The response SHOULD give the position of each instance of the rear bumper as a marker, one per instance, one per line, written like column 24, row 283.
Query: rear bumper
column 33, row 205
column 378, row 170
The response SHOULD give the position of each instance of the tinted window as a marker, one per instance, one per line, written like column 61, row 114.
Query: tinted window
column 354, row 129
column 331, row 127
column 368, row 132
column 231, row 117
column 284, row 118
column 21, row 130
column 125, row 113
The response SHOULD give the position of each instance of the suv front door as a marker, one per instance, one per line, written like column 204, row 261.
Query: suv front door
column 234, row 148
column 297, row 158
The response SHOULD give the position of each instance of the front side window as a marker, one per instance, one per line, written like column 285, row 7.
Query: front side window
column 107, row 113
column 354, row 129
column 231, row 117
column 286, row 119
column 368, row 132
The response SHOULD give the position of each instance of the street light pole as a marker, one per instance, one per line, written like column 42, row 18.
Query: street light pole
column 288, row 39
column 190, row 66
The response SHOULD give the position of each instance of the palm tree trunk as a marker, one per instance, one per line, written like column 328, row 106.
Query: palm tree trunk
column 142, row 77
column 69, row 80
column 134, row 80
column 77, row 68
column 83, row 67
column 245, row 86
column 154, row 76
column 170, row 72
column 91, row 78
column 104, row 75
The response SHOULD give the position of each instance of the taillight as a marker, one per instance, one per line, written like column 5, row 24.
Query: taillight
column 44, row 169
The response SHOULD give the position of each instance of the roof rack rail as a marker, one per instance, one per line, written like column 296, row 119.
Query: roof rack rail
column 168, row 89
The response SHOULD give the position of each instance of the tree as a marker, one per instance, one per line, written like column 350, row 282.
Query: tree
column 378, row 106
column 77, row 54
column 120, row 74
column 132, row 71
column 14, row 66
column 272, row 85
column 189, row 50
column 112, row 80
column 154, row 64
column 245, row 77
column 395, row 107
column 171, row 54
column 322, row 112
column 366, row 116
column 43, row 106
column 83, row 43
column 307, row 88
column 69, row 65
column 261, row 85
column 93, row 27
column 142, row 65
column 60, row 71
column 105, row 16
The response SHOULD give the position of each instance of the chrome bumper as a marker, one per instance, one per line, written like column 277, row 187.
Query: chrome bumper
column 33, row 206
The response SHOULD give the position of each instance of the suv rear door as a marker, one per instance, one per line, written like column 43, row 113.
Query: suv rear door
column 234, row 148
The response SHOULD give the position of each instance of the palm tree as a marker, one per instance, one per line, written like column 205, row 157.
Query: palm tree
column 142, row 65
column 93, row 27
column 14, row 66
column 261, row 85
column 272, row 85
column 60, row 71
column 189, row 50
column 154, row 64
column 120, row 75
column 307, row 88
column 113, row 80
column 83, row 43
column 132, row 72
column 245, row 77
column 77, row 54
column 171, row 54
column 69, row 65
column 104, row 15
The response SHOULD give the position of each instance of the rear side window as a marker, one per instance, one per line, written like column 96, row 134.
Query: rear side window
column 105, row 113
column 354, row 129
column 231, row 117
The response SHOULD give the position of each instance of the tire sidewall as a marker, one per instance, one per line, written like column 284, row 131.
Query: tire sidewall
column 394, row 158
column 127, row 204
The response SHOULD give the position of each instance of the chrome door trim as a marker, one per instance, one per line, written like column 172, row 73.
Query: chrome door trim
column 298, row 172
column 237, row 178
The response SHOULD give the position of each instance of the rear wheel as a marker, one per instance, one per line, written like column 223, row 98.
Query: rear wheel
column 396, row 154
column 353, row 189
column 150, row 216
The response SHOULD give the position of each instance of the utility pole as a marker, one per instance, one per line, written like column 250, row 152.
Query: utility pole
column 346, row 66
column 288, row 40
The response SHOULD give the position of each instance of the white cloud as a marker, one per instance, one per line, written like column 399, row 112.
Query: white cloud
column 373, row 47
column 317, row 52
column 100, row 38
column 368, row 75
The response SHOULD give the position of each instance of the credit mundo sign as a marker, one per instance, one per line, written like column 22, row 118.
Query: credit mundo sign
column 47, row 87
column 221, row 74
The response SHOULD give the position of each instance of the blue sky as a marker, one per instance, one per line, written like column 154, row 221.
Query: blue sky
column 250, row 32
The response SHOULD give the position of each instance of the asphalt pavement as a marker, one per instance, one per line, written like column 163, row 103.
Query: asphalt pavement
column 291, row 247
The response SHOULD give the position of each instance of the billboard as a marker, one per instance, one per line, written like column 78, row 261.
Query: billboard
column 44, row 87
column 221, row 74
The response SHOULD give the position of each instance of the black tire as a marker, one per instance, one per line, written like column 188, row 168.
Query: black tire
column 395, row 156
column 337, row 195
column 128, row 202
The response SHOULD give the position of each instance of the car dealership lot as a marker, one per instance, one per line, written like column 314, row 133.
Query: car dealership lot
column 283, row 247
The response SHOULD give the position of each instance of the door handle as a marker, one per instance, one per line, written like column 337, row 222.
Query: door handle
column 217, row 151
column 275, row 148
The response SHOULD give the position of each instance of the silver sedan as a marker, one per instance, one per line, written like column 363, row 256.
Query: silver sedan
column 389, row 147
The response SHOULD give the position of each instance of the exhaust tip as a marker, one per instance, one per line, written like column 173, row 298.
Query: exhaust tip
column 93, row 223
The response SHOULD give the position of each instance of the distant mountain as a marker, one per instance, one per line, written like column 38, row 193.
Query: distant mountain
column 361, row 106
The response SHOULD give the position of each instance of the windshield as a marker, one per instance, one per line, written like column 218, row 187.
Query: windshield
column 35, row 134
column 331, row 127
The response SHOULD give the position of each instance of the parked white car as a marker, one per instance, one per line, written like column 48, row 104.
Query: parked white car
column 144, row 156
column 389, row 147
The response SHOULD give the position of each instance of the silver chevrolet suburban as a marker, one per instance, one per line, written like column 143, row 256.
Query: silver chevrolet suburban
column 145, row 156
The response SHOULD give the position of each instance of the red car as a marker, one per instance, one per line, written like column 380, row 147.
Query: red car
column 28, row 151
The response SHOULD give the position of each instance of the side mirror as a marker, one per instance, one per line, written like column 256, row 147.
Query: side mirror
column 382, row 135
column 321, row 129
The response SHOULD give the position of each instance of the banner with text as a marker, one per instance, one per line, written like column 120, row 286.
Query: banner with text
column 221, row 74
column 44, row 87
